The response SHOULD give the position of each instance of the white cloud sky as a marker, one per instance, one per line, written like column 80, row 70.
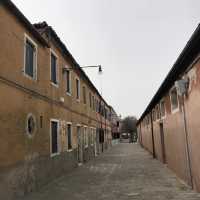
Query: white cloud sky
column 136, row 41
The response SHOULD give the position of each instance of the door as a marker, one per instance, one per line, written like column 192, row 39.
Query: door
column 162, row 138
column 80, row 145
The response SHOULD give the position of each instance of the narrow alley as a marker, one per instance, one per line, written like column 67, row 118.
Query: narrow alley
column 124, row 172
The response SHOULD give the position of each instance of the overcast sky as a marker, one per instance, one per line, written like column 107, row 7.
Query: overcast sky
column 136, row 41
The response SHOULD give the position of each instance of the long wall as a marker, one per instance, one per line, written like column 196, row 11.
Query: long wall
column 27, row 162
column 180, row 142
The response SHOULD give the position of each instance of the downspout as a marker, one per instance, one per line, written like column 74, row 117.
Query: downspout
column 152, row 135
column 187, row 143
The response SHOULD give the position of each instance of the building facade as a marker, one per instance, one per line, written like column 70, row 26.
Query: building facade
column 52, row 117
column 115, row 126
column 169, row 128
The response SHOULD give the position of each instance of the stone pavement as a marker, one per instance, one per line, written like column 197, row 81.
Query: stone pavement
column 125, row 172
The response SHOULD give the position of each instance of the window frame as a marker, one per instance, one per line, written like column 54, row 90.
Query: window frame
column 174, row 110
column 93, row 102
column 157, row 112
column 90, row 99
column 58, row 144
column 70, row 82
column 71, row 127
column 57, row 69
column 84, row 95
column 85, row 135
column 92, row 137
column 31, row 135
column 28, row 38
column 163, row 116
column 78, row 92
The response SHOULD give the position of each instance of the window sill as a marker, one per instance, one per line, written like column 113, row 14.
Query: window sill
column 175, row 110
column 69, row 150
column 69, row 94
column 30, row 77
column 164, row 117
column 54, row 84
column 55, row 154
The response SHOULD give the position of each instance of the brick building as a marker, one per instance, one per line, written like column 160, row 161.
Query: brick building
column 169, row 128
column 51, row 115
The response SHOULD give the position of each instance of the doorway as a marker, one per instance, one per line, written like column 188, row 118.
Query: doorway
column 80, row 145
column 162, row 138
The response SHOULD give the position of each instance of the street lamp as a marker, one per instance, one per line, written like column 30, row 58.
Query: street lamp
column 97, row 66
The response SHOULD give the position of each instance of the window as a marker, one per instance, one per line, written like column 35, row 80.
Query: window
column 174, row 99
column 90, row 99
column 30, row 58
column 31, row 125
column 98, row 105
column 93, row 103
column 157, row 112
column 106, row 113
column 68, row 81
column 92, row 136
column 162, row 108
column 54, row 76
column 69, row 136
column 54, row 137
column 77, row 89
column 153, row 115
column 96, row 109
column 84, row 95
column 85, row 137
column 91, row 133
column 148, row 120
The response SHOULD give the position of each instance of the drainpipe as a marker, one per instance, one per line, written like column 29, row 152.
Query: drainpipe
column 187, row 143
column 182, row 86
column 152, row 135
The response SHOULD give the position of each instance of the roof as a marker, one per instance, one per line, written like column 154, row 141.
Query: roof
column 186, row 57
column 14, row 10
column 42, row 28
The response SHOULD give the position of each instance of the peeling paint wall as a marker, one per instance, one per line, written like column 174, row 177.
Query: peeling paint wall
column 174, row 132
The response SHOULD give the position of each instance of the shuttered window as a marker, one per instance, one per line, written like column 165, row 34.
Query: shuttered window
column 84, row 95
column 68, row 80
column 54, row 69
column 30, row 59
column 77, row 89
column 90, row 99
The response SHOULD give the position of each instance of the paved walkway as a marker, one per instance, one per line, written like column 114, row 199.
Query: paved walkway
column 126, row 172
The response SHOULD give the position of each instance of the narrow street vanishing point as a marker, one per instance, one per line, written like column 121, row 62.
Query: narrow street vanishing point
column 124, row 172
